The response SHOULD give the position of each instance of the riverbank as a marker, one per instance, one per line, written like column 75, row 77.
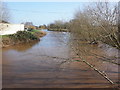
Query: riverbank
column 58, row 30
column 22, row 37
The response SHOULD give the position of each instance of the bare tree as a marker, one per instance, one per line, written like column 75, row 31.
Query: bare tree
column 106, row 16
column 97, row 22
column 4, row 12
column 119, row 21
column 58, row 25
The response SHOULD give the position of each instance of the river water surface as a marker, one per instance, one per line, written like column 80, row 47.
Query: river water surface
column 50, row 64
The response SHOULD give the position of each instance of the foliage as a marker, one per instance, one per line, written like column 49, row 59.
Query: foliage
column 58, row 25
column 22, row 36
column 42, row 27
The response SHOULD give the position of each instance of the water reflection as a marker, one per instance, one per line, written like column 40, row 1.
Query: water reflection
column 22, row 47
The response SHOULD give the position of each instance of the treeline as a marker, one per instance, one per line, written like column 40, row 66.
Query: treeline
column 58, row 25
column 96, row 22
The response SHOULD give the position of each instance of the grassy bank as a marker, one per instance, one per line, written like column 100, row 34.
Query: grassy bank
column 59, row 30
column 38, row 33
column 21, row 37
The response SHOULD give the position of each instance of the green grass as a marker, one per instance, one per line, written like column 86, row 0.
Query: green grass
column 4, row 36
column 34, row 31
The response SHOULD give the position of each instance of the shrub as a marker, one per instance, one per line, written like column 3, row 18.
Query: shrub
column 23, row 36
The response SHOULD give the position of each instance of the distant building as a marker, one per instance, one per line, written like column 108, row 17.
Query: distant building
column 29, row 26
column 7, row 28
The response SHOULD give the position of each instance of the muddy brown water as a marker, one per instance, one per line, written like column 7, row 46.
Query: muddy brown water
column 49, row 64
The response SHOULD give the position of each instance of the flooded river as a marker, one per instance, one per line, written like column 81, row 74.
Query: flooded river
column 49, row 63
